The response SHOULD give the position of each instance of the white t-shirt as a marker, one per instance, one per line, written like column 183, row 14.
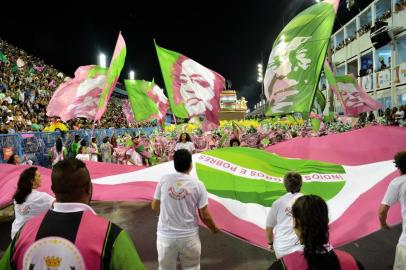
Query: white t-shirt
column 84, row 157
column 187, row 145
column 180, row 195
column 35, row 203
column 396, row 192
column 281, row 220
column 135, row 157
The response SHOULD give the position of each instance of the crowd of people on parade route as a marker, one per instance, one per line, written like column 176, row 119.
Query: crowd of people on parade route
column 297, row 225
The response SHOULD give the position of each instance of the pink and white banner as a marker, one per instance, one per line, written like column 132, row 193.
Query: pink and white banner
column 364, row 156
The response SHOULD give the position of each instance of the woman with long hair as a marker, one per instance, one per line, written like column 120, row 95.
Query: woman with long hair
column 14, row 160
column 58, row 152
column 28, row 202
column 185, row 142
column 310, row 221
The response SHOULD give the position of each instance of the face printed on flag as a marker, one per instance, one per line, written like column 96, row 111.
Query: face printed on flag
column 351, row 95
column 194, row 85
column 296, row 59
column 193, row 90
column 279, row 85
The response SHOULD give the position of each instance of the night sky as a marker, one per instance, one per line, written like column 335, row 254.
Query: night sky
column 226, row 36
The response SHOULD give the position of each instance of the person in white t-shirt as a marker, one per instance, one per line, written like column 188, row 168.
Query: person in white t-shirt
column 177, row 197
column 396, row 192
column 83, row 155
column 28, row 202
column 185, row 142
column 279, row 222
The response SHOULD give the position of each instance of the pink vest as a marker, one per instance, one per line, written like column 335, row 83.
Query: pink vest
column 89, row 239
column 296, row 260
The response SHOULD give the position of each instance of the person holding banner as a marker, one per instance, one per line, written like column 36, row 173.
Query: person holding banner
column 396, row 192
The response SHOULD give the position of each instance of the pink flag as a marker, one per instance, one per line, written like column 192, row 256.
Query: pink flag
column 116, row 64
column 79, row 96
column 128, row 112
column 355, row 99
column 351, row 95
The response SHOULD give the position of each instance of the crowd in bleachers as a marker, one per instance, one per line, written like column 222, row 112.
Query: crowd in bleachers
column 26, row 86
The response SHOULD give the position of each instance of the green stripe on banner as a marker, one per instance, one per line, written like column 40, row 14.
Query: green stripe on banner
column 257, row 191
column 272, row 164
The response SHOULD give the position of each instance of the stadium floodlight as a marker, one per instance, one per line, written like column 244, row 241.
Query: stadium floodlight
column 131, row 75
column 102, row 60
column 260, row 73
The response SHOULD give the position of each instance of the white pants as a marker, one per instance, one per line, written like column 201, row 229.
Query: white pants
column 400, row 258
column 188, row 250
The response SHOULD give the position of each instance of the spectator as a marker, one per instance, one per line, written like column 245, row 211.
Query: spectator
column 310, row 219
column 94, row 150
column 177, row 197
column 133, row 157
column 75, row 145
column 371, row 117
column 396, row 192
column 28, row 202
column 58, row 152
column 106, row 150
column 185, row 142
column 234, row 142
column 83, row 155
column 14, row 159
column 89, row 241
column 399, row 115
column 279, row 222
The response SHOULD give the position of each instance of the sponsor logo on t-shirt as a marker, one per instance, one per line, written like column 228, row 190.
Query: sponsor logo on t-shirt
column 23, row 209
column 177, row 191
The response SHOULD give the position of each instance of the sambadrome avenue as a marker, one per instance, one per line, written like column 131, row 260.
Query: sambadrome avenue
column 218, row 135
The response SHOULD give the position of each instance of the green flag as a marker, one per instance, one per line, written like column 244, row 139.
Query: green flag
column 319, row 102
column 192, row 89
column 296, row 60
column 116, row 65
column 147, row 100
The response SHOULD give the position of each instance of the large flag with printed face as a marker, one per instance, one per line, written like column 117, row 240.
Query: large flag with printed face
column 147, row 100
column 79, row 96
column 350, row 94
column 244, row 182
column 193, row 89
column 296, row 59
column 116, row 65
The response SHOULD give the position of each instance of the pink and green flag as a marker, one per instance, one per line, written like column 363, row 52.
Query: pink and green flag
column 353, row 98
column 147, row 100
column 78, row 97
column 296, row 60
column 116, row 65
column 193, row 89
